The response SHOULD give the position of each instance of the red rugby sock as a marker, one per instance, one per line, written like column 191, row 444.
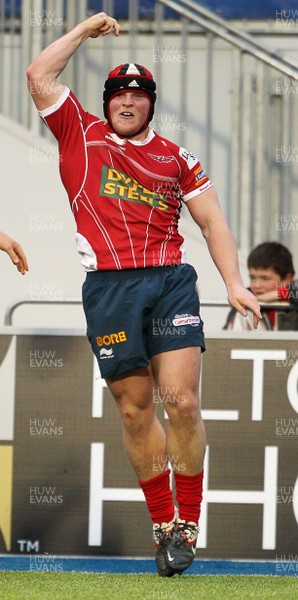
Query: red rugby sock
column 159, row 498
column 189, row 493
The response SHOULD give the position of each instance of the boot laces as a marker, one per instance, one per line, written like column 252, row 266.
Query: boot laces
column 186, row 532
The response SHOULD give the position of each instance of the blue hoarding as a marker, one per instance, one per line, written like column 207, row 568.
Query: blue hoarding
column 229, row 9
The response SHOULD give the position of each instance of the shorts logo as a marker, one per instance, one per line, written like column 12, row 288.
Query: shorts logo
column 103, row 353
column 111, row 338
column 186, row 320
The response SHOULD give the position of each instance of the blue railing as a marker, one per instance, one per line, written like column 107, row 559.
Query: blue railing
column 229, row 9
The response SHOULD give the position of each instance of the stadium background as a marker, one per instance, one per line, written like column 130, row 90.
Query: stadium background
column 240, row 117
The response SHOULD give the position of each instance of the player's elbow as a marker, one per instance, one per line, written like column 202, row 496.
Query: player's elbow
column 32, row 77
column 35, row 77
column 32, row 70
column 205, row 229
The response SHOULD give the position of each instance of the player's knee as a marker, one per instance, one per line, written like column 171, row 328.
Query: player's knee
column 136, row 422
column 135, row 415
column 184, row 406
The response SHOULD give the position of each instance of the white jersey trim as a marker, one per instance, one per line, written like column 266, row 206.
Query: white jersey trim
column 51, row 109
column 183, row 253
column 147, row 140
column 85, row 249
column 198, row 191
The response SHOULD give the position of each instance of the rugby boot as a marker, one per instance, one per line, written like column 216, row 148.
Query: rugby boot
column 181, row 548
column 162, row 535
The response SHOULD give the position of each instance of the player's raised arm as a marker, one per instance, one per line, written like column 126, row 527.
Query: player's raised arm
column 45, row 69
column 207, row 213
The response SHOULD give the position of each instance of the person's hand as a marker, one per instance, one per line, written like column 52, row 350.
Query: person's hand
column 14, row 251
column 268, row 296
column 241, row 299
column 102, row 24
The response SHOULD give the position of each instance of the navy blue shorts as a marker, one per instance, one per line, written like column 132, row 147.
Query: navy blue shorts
column 136, row 313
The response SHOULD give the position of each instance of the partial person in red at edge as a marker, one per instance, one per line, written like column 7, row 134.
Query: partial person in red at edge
column 126, row 185
column 14, row 251
column 271, row 273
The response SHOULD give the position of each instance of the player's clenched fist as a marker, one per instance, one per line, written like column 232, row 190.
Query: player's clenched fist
column 102, row 24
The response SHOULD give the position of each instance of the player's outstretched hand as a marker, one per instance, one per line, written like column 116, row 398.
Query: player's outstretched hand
column 241, row 299
column 102, row 24
column 14, row 251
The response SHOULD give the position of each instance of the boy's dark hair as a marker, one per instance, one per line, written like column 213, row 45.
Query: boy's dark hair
column 272, row 255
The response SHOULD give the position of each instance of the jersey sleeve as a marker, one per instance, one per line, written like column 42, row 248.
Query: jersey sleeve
column 193, row 180
column 68, row 122
column 66, row 116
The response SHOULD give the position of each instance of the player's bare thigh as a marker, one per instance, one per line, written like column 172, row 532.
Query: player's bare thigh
column 133, row 389
column 177, row 378
column 174, row 375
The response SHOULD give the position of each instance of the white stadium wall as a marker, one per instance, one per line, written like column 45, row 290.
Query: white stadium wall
column 37, row 215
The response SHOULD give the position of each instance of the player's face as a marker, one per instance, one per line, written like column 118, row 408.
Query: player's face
column 128, row 112
column 263, row 280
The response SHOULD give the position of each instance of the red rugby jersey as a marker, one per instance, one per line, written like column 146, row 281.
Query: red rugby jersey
column 126, row 195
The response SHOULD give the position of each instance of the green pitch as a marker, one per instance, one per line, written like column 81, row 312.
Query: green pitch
column 80, row 586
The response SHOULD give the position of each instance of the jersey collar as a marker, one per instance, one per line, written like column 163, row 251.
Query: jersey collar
column 148, row 139
column 121, row 141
